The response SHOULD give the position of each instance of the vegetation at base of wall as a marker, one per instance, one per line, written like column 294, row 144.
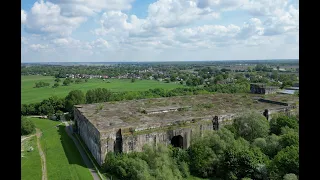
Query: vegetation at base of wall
column 221, row 154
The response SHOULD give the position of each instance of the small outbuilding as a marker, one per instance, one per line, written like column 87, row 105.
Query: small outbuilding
column 260, row 88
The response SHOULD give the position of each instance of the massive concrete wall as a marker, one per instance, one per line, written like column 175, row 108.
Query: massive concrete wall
column 89, row 134
column 122, row 140
column 135, row 141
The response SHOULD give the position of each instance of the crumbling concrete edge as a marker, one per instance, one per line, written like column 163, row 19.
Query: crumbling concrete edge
column 85, row 150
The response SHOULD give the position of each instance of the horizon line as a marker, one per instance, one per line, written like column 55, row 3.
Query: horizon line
column 156, row 61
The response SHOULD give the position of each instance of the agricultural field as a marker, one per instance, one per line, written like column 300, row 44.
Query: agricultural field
column 29, row 94
column 62, row 157
column 30, row 163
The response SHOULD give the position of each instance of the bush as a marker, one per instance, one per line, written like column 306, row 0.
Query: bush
column 286, row 161
column 27, row 126
column 251, row 125
column 260, row 143
column 282, row 121
column 41, row 84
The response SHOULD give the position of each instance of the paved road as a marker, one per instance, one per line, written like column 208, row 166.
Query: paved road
column 83, row 154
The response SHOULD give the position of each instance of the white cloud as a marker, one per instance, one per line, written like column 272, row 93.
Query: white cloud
column 220, row 5
column 251, row 28
column 37, row 47
column 45, row 17
column 171, row 29
column 23, row 16
column 24, row 40
column 174, row 13
column 100, row 43
column 264, row 7
column 282, row 22
column 89, row 7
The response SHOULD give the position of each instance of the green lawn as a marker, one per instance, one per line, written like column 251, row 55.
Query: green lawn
column 62, row 157
column 31, row 163
column 29, row 94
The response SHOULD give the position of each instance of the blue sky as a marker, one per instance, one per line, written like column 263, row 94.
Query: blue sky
column 158, row 30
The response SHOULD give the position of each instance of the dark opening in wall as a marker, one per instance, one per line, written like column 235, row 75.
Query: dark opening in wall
column 177, row 141
column 118, row 142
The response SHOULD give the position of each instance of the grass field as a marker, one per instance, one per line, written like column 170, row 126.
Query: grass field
column 30, row 163
column 62, row 157
column 29, row 94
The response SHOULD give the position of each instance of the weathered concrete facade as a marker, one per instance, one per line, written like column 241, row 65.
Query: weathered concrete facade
column 110, row 134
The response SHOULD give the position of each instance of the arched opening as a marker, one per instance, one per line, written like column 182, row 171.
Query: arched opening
column 118, row 142
column 177, row 141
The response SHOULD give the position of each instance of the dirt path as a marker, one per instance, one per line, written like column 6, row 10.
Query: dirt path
column 42, row 155
column 27, row 137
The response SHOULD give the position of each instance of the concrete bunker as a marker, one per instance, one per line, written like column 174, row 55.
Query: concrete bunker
column 177, row 141
column 123, row 127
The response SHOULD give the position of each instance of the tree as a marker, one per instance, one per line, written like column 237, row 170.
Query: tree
column 189, row 82
column 281, row 121
column 73, row 98
column 251, row 125
column 41, row 84
column 98, row 95
column 167, row 80
column 273, row 146
column 173, row 77
column 24, row 110
column 57, row 80
column 260, row 143
column 133, row 80
column 67, row 81
column 218, row 78
column 289, row 139
column 241, row 161
column 56, row 85
column 286, row 161
column 27, row 126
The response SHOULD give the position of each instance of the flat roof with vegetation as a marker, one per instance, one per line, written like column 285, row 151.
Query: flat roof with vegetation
column 160, row 112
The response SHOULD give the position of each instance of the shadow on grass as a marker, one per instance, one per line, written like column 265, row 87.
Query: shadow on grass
column 69, row 147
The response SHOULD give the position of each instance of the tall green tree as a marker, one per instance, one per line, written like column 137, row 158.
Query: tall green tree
column 251, row 125
column 27, row 126
column 286, row 161
column 281, row 121
column 73, row 98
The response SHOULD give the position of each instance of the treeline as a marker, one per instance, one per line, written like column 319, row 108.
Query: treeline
column 234, row 152
column 55, row 105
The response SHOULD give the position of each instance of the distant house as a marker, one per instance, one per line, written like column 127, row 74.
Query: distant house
column 260, row 88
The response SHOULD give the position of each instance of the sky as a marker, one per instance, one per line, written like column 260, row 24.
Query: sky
column 158, row 30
